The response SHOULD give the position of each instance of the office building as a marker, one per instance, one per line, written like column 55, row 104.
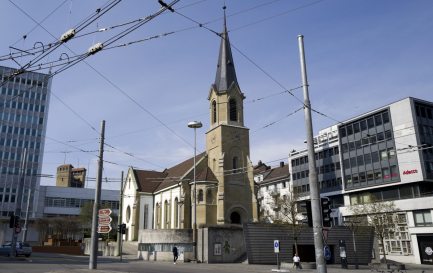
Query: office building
column 23, row 122
column 385, row 154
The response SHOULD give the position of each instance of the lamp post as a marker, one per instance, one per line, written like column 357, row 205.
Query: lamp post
column 195, row 125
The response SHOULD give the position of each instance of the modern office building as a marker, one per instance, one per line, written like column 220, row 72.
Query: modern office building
column 68, row 176
column 23, row 122
column 387, row 154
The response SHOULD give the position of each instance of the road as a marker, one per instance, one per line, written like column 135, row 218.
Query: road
column 56, row 263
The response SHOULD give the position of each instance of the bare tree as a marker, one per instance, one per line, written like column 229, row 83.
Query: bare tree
column 42, row 226
column 286, row 212
column 377, row 214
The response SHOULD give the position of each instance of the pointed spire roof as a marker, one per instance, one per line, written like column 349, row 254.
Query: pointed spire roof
column 226, row 73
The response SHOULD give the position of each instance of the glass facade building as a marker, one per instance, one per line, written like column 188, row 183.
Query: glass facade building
column 23, row 121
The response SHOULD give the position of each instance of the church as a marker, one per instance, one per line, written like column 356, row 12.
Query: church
column 160, row 204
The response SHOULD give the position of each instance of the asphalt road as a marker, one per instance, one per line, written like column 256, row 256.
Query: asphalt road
column 56, row 263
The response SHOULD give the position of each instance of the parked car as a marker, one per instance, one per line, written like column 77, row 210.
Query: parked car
column 21, row 249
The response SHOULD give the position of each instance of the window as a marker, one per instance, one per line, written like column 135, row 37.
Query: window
column 145, row 215
column 385, row 117
column 370, row 122
column 378, row 119
column 209, row 197
column 342, row 131
column 176, row 213
column 233, row 110
column 422, row 218
column 214, row 112
column 349, row 130
column 200, row 195
column 356, row 128
column 235, row 164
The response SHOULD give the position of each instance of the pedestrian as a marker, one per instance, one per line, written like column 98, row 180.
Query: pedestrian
column 175, row 254
column 297, row 261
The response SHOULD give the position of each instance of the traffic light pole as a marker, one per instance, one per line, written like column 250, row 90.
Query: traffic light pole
column 18, row 203
column 119, row 220
column 314, row 191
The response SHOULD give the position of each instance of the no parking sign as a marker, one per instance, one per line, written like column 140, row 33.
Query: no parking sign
column 276, row 246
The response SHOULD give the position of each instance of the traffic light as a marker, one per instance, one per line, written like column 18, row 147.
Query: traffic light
column 308, row 218
column 14, row 221
column 326, row 211
column 121, row 228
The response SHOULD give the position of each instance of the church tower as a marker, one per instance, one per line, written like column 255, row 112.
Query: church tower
column 227, row 143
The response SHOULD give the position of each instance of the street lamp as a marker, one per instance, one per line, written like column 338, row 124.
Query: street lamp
column 195, row 125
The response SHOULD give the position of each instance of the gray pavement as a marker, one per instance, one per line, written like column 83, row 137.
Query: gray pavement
column 60, row 263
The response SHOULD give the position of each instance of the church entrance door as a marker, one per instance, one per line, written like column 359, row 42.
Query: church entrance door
column 235, row 218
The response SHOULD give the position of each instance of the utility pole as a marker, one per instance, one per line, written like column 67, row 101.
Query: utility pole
column 27, row 216
column 119, row 220
column 94, row 240
column 314, row 189
column 18, row 204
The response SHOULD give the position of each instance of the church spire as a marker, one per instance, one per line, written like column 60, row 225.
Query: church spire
column 226, row 74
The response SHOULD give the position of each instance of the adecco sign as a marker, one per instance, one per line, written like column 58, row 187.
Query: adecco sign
column 407, row 172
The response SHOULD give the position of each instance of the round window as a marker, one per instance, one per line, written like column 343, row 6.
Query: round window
column 128, row 214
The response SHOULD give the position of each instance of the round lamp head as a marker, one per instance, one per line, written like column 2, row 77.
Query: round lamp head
column 195, row 124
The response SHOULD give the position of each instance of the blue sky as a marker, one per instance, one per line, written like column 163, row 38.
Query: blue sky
column 360, row 55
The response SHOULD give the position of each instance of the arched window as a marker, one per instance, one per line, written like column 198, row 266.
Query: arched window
column 166, row 215
column 158, row 216
column 233, row 110
column 214, row 112
column 235, row 164
column 176, row 213
column 200, row 196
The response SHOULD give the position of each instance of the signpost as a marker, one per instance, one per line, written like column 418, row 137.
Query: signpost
column 104, row 220
column 104, row 229
column 104, row 212
column 277, row 251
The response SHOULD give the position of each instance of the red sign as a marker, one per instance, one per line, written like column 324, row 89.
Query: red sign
column 104, row 229
column 104, row 212
column 104, row 221
column 410, row 172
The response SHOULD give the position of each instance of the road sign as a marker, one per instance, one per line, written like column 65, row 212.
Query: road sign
column 327, row 253
column 276, row 246
column 104, row 221
column 104, row 212
column 104, row 229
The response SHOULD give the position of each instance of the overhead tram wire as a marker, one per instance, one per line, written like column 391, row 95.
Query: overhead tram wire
column 103, row 29
column 277, row 15
column 133, row 156
column 38, row 23
column 103, row 76
column 77, row 29
column 84, row 56
column 258, row 67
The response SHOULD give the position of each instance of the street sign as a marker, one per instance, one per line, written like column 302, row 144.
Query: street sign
column 104, row 212
column 104, row 221
column 276, row 246
column 327, row 253
column 104, row 229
